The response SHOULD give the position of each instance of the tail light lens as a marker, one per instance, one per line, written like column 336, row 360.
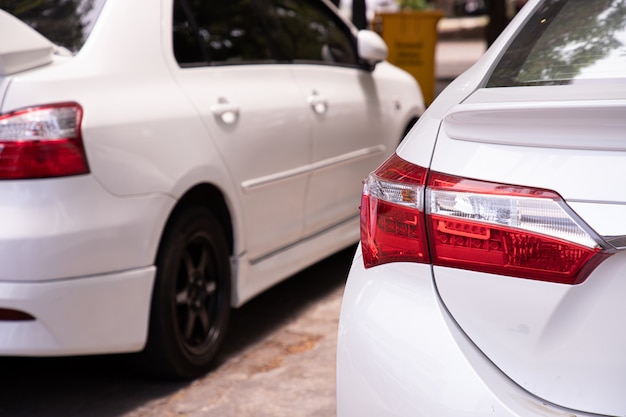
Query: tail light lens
column 411, row 215
column 40, row 142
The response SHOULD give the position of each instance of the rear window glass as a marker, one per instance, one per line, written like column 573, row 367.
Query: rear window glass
column 66, row 23
column 566, row 42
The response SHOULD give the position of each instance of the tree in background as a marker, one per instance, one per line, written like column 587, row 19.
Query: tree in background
column 414, row 4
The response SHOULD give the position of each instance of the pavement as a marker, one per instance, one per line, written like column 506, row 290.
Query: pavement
column 279, row 356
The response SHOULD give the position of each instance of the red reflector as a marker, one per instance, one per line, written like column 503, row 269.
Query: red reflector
column 42, row 142
column 14, row 315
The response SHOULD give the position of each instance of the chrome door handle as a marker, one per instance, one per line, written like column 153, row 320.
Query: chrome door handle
column 318, row 103
column 225, row 112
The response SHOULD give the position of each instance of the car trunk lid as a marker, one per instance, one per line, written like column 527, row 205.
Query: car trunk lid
column 560, row 342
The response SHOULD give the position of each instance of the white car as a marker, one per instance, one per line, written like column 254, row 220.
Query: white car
column 164, row 161
column 491, row 273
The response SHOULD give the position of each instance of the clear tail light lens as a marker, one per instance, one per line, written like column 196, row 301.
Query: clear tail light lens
column 474, row 225
column 41, row 142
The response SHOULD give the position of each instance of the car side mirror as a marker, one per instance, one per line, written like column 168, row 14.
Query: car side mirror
column 371, row 48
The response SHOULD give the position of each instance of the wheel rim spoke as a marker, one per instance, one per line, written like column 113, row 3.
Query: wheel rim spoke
column 210, row 288
column 204, row 321
column 190, row 326
column 202, row 263
column 182, row 297
column 196, row 294
column 189, row 266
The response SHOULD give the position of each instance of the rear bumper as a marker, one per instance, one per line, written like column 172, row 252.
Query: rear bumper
column 90, row 315
column 61, row 228
column 80, row 260
column 400, row 354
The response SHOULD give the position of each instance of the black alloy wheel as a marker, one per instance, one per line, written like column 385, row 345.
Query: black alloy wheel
column 191, row 297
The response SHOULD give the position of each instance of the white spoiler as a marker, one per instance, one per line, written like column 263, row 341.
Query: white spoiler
column 21, row 47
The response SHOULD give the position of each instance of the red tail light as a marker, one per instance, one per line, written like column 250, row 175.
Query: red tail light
column 411, row 215
column 392, row 219
column 41, row 142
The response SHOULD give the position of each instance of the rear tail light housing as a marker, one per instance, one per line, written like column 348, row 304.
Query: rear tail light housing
column 410, row 214
column 42, row 142
column 392, row 218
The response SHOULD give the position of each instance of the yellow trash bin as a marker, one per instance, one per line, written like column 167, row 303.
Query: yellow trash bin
column 412, row 37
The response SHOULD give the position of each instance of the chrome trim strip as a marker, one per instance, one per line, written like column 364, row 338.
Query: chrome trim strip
column 618, row 242
column 251, row 185
column 302, row 240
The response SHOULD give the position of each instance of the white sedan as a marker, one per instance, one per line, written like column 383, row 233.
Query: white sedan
column 164, row 161
column 491, row 274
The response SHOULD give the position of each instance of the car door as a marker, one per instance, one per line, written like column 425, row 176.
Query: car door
column 253, row 111
column 344, row 108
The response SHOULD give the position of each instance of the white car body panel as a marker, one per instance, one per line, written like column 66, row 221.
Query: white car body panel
column 27, row 50
column 74, row 228
column 96, row 314
column 559, row 347
column 341, row 152
column 267, row 146
column 537, row 346
column 529, row 154
column 254, row 277
column 571, row 328
column 424, row 365
column 151, row 135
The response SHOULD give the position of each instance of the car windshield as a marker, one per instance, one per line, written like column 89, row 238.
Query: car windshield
column 567, row 42
column 67, row 23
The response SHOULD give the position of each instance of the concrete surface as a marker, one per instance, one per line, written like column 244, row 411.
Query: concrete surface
column 287, row 372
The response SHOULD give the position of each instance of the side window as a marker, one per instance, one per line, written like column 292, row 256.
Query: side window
column 308, row 31
column 187, row 49
column 218, row 32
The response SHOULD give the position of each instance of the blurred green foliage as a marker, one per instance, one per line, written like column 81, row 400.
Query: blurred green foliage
column 414, row 4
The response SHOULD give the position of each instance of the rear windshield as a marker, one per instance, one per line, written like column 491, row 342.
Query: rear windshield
column 566, row 42
column 67, row 23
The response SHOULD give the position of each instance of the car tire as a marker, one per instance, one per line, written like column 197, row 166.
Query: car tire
column 191, row 296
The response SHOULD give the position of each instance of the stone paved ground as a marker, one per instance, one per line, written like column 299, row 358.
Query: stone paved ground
column 278, row 361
